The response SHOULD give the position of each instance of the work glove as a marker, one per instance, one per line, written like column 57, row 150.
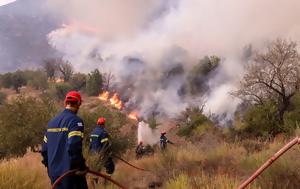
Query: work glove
column 81, row 166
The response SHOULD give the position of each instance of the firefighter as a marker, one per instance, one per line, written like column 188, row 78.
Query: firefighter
column 140, row 150
column 164, row 140
column 100, row 143
column 62, row 145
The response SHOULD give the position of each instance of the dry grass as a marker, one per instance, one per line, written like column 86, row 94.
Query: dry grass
column 23, row 173
column 186, row 167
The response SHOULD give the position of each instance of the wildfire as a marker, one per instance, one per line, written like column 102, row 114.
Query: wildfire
column 116, row 101
column 133, row 115
column 104, row 96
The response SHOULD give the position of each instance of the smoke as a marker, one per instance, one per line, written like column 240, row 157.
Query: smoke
column 146, row 134
column 151, row 47
column 5, row 2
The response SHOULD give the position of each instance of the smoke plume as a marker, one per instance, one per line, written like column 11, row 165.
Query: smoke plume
column 146, row 134
column 151, row 47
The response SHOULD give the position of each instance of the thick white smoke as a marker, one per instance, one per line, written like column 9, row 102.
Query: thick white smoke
column 146, row 134
column 5, row 2
column 140, row 41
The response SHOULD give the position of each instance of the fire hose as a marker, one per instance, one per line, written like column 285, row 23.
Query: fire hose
column 72, row 172
column 269, row 162
column 126, row 162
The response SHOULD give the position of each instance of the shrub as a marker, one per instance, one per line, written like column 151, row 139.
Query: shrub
column 78, row 81
column 22, row 123
column 61, row 89
column 193, row 119
column 94, row 83
column 261, row 121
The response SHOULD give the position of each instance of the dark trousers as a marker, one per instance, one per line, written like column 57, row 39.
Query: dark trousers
column 110, row 166
column 71, row 182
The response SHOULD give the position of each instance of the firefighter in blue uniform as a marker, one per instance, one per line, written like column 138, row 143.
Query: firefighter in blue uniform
column 100, row 144
column 164, row 140
column 62, row 146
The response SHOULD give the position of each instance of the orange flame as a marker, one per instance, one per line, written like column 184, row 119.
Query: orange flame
column 104, row 96
column 116, row 101
column 133, row 115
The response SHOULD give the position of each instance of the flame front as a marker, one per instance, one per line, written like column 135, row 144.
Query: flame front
column 104, row 96
column 133, row 115
column 116, row 101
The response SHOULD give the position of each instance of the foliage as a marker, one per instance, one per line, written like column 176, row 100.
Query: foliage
column 66, row 70
column 50, row 67
column 198, row 75
column 190, row 120
column 114, row 122
column 6, row 80
column 273, row 75
column 260, row 120
column 78, row 81
column 22, row 123
column 292, row 117
column 152, row 121
column 36, row 79
column 61, row 89
column 94, row 83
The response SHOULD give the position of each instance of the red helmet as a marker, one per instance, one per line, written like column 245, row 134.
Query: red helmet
column 101, row 121
column 141, row 142
column 163, row 132
column 73, row 96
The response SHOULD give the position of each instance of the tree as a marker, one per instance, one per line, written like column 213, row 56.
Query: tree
column 94, row 83
column 66, row 70
column 107, row 79
column 36, row 79
column 153, row 124
column 274, row 76
column 198, row 76
column 6, row 80
column 18, row 80
column 23, row 122
column 50, row 67
column 78, row 81
column 61, row 89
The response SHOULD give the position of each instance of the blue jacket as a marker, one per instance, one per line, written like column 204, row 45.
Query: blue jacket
column 63, row 143
column 99, row 140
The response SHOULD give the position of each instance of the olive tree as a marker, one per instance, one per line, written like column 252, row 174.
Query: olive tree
column 272, row 75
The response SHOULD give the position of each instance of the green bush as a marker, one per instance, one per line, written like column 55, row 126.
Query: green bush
column 36, row 79
column 292, row 117
column 191, row 120
column 114, row 122
column 61, row 89
column 22, row 123
column 78, row 81
column 94, row 83
column 261, row 121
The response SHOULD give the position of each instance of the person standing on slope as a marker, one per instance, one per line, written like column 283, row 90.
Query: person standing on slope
column 164, row 140
column 100, row 144
column 62, row 145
